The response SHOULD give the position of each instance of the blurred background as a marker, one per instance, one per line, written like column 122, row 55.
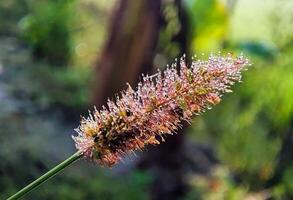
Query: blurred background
column 58, row 58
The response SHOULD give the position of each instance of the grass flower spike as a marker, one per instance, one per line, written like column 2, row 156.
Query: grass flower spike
column 156, row 108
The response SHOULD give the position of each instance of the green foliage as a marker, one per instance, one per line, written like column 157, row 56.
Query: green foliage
column 219, row 185
column 47, row 30
column 169, row 31
column 46, row 86
column 79, row 186
column 207, row 23
column 262, row 50
column 10, row 13
column 250, row 125
column 101, row 186
column 286, row 185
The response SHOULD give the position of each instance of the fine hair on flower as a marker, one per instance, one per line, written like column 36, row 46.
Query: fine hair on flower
column 156, row 107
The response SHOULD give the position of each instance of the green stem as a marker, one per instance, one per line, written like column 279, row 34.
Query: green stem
column 46, row 176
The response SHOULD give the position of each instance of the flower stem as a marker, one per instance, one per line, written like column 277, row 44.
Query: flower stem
column 47, row 175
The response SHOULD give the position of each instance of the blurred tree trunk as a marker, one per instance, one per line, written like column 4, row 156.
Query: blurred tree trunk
column 129, row 50
column 167, row 161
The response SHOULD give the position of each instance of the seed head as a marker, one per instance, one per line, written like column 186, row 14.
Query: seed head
column 156, row 107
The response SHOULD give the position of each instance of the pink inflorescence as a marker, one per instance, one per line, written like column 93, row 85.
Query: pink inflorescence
column 156, row 108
